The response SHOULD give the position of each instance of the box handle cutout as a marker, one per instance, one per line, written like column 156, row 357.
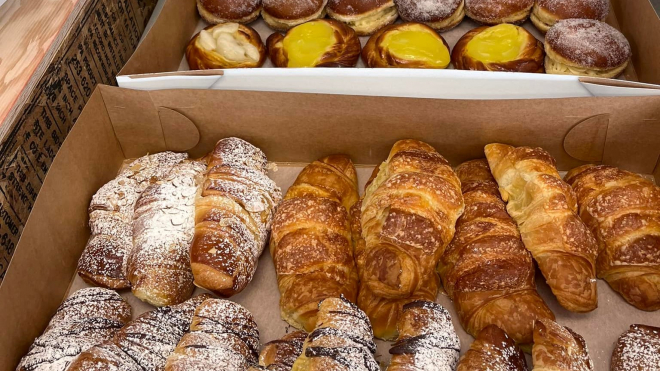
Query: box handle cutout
column 586, row 139
column 180, row 133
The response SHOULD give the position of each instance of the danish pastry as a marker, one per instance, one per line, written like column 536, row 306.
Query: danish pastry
column 222, row 11
column 409, row 45
column 365, row 17
column 319, row 43
column 547, row 12
column 637, row 349
column 281, row 15
column 227, row 45
column 492, row 12
column 441, row 15
column 504, row 47
column 585, row 47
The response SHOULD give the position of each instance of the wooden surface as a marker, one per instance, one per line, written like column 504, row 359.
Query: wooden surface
column 27, row 30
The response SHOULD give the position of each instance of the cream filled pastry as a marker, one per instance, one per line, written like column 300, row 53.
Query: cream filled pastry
column 441, row 15
column 492, row 12
column 319, row 43
column 547, row 12
column 585, row 47
column 364, row 16
column 281, row 15
column 226, row 45
column 504, row 47
column 408, row 45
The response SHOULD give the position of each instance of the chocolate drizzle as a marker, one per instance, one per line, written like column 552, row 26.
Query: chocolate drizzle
column 345, row 356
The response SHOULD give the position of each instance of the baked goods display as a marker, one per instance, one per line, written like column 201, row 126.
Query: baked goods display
column 311, row 240
column 427, row 340
column 547, row 12
column 493, row 349
column 492, row 12
column 545, row 209
column 622, row 209
column 221, row 333
column 319, row 43
column 559, row 348
column 224, row 11
column 280, row 354
column 504, row 47
column 486, row 270
column 585, row 47
column 226, row 45
column 365, row 17
column 233, row 215
column 637, row 349
column 144, row 343
column 441, row 15
column 406, row 45
column 342, row 340
column 89, row 317
column 159, row 264
column 281, row 15
column 103, row 262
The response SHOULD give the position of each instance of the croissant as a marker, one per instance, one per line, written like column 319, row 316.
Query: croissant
column 558, row 348
column 104, row 260
column 342, row 340
column 493, row 349
column 622, row 210
column 279, row 355
column 637, row 349
column 87, row 318
column 486, row 270
column 232, row 215
column 144, row 343
column 311, row 240
column 427, row 339
column 545, row 209
column 159, row 264
column 221, row 333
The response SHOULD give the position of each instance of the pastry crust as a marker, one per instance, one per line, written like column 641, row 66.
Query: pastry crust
column 345, row 52
column 365, row 17
column 246, row 44
column 547, row 12
column 637, row 349
column 491, row 12
column 493, row 349
column 222, row 11
column 530, row 57
column 586, row 47
column 281, row 15
column 559, row 348
column 376, row 54
column 440, row 15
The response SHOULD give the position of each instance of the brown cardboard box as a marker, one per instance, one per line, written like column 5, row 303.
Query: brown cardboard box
column 297, row 128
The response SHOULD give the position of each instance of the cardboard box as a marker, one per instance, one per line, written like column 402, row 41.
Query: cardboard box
column 297, row 128
column 162, row 53
column 90, row 48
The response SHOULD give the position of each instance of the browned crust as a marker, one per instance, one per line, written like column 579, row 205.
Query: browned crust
column 559, row 347
column 201, row 59
column 376, row 55
column 344, row 53
column 405, row 5
column 493, row 349
column 491, row 12
column 357, row 7
column 637, row 349
column 219, row 11
column 530, row 60
column 575, row 9
column 292, row 9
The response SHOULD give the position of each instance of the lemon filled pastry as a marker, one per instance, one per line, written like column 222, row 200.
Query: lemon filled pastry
column 585, row 47
column 364, row 16
column 547, row 12
column 409, row 45
column 319, row 43
column 504, row 47
column 282, row 15
column 222, row 11
column 492, row 12
column 226, row 45
column 441, row 15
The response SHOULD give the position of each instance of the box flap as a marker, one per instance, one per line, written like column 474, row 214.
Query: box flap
column 586, row 140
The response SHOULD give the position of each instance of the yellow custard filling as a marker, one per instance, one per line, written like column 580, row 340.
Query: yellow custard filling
column 417, row 45
column 307, row 43
column 501, row 43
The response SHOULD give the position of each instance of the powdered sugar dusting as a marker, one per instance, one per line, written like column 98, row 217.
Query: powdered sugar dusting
column 593, row 9
column 492, row 10
column 638, row 349
column 427, row 10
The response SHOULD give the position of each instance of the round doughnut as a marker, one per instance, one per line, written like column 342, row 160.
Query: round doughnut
column 407, row 45
column 226, row 45
column 504, row 47
column 547, row 12
column 281, row 15
column 491, row 12
column 441, row 15
column 364, row 16
column 586, row 47
column 222, row 11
